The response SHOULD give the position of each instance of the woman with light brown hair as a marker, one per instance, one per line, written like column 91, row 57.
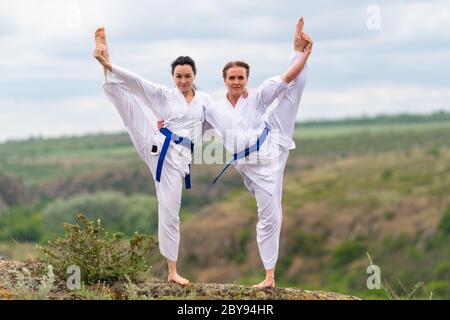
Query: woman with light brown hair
column 258, row 130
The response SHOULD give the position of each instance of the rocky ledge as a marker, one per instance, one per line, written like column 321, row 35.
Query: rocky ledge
column 17, row 282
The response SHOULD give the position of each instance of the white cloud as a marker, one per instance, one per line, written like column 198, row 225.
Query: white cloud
column 384, row 98
column 47, row 49
column 55, row 118
column 418, row 21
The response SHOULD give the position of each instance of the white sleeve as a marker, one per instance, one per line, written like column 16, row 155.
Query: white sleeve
column 268, row 91
column 207, row 131
column 208, row 102
column 207, row 128
column 152, row 95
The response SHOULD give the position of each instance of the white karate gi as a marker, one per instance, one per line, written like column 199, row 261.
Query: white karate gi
column 129, row 93
column 262, row 171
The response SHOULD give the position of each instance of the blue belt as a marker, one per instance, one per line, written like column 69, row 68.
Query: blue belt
column 237, row 156
column 170, row 136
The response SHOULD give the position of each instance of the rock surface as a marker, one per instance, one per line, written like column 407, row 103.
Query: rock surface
column 10, row 288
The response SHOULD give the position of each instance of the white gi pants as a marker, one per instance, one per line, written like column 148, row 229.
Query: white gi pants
column 282, row 118
column 169, row 190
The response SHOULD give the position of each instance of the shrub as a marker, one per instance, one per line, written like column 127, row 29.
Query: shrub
column 394, row 243
column 22, row 223
column 106, row 206
column 387, row 174
column 127, row 214
column 309, row 244
column 444, row 225
column 244, row 236
column 442, row 270
column 347, row 252
column 389, row 215
column 100, row 258
column 3, row 207
column 140, row 215
column 12, row 190
column 438, row 241
column 440, row 289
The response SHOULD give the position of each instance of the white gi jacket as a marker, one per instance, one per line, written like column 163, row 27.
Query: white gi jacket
column 167, row 104
column 240, row 127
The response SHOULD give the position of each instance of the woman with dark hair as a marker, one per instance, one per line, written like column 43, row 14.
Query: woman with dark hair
column 167, row 152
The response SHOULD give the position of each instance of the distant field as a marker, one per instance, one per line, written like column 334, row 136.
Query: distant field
column 41, row 160
column 333, row 130
column 38, row 161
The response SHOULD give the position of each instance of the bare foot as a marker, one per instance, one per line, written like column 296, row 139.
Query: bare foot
column 100, row 41
column 267, row 283
column 299, row 42
column 101, row 52
column 176, row 278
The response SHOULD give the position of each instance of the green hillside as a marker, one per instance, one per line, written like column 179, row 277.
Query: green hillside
column 377, row 185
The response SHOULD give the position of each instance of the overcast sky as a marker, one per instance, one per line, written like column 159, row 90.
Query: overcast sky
column 370, row 57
